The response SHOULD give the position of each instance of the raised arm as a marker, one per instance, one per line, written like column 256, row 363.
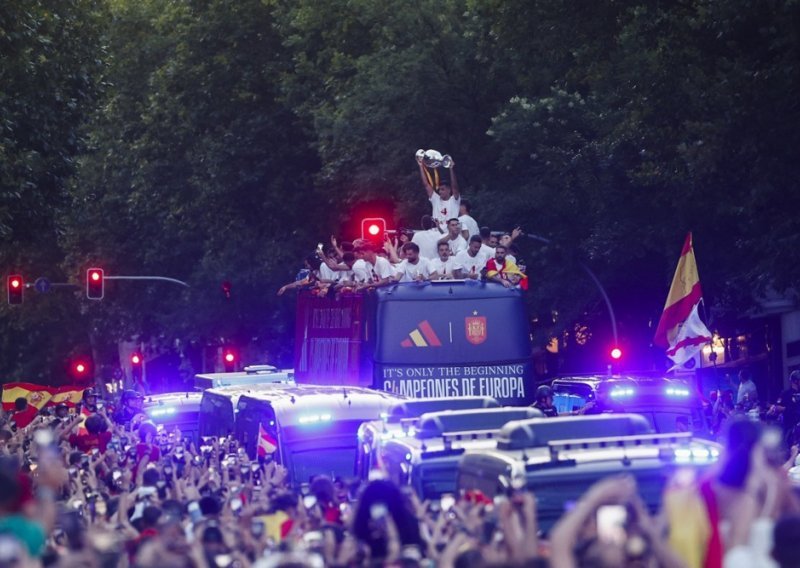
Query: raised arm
column 454, row 181
column 425, row 181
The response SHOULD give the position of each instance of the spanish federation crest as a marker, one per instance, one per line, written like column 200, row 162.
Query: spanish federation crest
column 476, row 329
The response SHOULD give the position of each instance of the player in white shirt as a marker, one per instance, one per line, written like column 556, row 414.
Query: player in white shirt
column 446, row 203
column 427, row 239
column 371, row 270
column 453, row 237
column 469, row 226
column 413, row 268
column 470, row 262
column 444, row 264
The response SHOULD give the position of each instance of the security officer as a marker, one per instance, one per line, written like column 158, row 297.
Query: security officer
column 89, row 400
column 130, row 405
column 544, row 403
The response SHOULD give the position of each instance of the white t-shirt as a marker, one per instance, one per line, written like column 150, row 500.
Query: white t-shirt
column 443, row 211
column 487, row 250
column 382, row 269
column 361, row 271
column 444, row 267
column 427, row 242
column 470, row 264
column 327, row 273
column 469, row 224
column 410, row 272
column 457, row 245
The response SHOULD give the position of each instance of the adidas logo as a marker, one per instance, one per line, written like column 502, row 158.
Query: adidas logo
column 422, row 336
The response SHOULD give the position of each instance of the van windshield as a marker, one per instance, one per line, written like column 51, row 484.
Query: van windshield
column 321, row 449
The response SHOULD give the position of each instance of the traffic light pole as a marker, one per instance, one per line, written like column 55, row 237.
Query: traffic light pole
column 597, row 283
column 159, row 278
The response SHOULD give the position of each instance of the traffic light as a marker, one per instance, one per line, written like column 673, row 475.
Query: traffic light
column 373, row 229
column 229, row 360
column 80, row 369
column 15, row 289
column 136, row 366
column 95, row 284
column 616, row 353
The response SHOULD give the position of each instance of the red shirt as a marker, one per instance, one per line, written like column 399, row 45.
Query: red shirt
column 141, row 451
column 25, row 417
column 87, row 442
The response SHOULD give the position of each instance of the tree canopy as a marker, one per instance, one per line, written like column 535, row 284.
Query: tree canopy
column 220, row 140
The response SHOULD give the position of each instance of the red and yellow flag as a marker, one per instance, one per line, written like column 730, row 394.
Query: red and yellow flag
column 37, row 395
column 267, row 444
column 69, row 395
column 684, row 294
column 41, row 395
column 680, row 329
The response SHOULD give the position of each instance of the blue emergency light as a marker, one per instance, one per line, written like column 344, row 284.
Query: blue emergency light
column 620, row 393
column 154, row 412
column 673, row 391
column 315, row 418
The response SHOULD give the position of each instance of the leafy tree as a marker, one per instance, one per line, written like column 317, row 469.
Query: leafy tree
column 51, row 58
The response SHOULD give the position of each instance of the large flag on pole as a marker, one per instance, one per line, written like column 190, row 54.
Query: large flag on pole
column 680, row 329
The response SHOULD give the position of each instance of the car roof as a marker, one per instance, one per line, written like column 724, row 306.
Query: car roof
column 294, row 405
column 539, row 432
column 417, row 407
column 256, row 374
column 436, row 424
column 173, row 399
column 654, row 391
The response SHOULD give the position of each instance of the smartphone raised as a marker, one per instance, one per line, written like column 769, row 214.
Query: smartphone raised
column 611, row 524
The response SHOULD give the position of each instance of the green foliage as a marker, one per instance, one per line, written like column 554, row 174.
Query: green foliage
column 221, row 139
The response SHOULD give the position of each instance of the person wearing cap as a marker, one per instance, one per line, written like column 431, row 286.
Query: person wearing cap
column 130, row 405
column 89, row 400
column 788, row 404
column 544, row 403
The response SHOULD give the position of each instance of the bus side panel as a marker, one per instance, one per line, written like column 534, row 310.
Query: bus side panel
column 331, row 340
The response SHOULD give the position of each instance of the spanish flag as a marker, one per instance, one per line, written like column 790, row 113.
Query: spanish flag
column 69, row 395
column 680, row 329
column 267, row 444
column 506, row 271
column 37, row 395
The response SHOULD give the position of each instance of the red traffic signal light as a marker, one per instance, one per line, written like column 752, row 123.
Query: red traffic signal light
column 136, row 359
column 229, row 360
column 616, row 353
column 95, row 284
column 16, row 285
column 373, row 229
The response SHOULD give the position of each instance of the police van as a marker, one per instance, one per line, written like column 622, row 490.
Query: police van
column 218, row 407
column 427, row 459
column 442, row 339
column 313, row 428
column 669, row 405
column 558, row 458
column 177, row 409
column 398, row 421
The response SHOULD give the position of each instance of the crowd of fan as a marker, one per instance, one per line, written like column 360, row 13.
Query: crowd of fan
column 449, row 245
column 105, row 487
